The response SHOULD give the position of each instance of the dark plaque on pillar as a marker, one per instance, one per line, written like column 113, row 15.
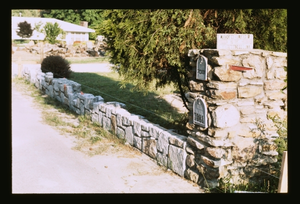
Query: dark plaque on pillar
column 200, row 113
column 201, row 68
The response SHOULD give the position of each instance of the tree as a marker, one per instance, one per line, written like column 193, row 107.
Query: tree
column 92, row 16
column 25, row 30
column 52, row 31
column 152, row 45
column 26, row 12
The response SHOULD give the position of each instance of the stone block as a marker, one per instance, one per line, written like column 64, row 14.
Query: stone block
column 100, row 118
column 216, row 142
column 245, row 102
column 210, row 162
column 196, row 86
column 225, row 116
column 120, row 133
column 274, row 84
column 258, row 65
column 280, row 73
column 163, row 142
column 149, row 147
column 192, row 175
column 190, row 160
column 221, row 85
column 223, row 95
column 215, row 152
column 162, row 159
column 195, row 142
column 155, row 131
column 246, row 110
column 223, row 61
column 218, row 132
column 126, row 121
column 177, row 140
column 107, row 123
column 225, row 74
column 129, row 135
column 177, row 160
column 145, row 134
column 279, row 54
column 249, row 91
column 137, row 129
column 137, row 142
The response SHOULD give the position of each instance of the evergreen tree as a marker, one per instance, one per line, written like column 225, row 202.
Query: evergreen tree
column 25, row 30
column 147, row 45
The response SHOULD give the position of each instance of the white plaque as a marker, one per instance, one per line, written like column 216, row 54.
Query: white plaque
column 200, row 113
column 235, row 41
column 201, row 68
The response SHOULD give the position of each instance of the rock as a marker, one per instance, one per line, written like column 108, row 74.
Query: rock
column 162, row 159
column 196, row 143
column 192, row 175
column 163, row 142
column 107, row 124
column 258, row 65
column 155, row 131
column 177, row 140
column 274, row 84
column 223, row 95
column 215, row 152
column 120, row 133
column 196, row 86
column 223, row 61
column 226, row 74
column 275, row 95
column 249, row 91
column 177, row 160
column 225, row 116
column 245, row 102
column 221, row 85
column 149, row 147
column 190, row 160
column 129, row 135
column 137, row 142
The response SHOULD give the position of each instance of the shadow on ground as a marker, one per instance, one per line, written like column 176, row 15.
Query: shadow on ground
column 151, row 106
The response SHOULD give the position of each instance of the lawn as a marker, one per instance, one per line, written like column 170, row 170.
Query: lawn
column 151, row 105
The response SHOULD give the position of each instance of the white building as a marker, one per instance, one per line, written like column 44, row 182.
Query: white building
column 73, row 32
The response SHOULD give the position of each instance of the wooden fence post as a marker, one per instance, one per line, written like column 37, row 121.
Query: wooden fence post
column 283, row 182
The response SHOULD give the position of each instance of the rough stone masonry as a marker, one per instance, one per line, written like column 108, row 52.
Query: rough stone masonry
column 227, row 140
column 242, row 90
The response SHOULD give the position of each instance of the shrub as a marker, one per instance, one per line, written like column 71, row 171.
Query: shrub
column 59, row 66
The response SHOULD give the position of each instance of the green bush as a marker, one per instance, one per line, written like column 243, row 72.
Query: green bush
column 59, row 66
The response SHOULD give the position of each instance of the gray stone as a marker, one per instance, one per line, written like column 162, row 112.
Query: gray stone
column 137, row 129
column 215, row 152
column 225, row 74
column 137, row 142
column 107, row 124
column 177, row 160
column 129, row 135
column 163, row 142
column 195, row 143
column 149, row 147
column 162, row 159
column 190, row 160
column 192, row 175
column 178, row 140
column 155, row 131
column 249, row 91
column 120, row 133
column 225, row 116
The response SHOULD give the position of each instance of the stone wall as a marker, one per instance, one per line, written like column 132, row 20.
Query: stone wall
column 163, row 145
column 239, row 134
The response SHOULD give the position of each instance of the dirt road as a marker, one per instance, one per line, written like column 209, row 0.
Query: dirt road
column 43, row 161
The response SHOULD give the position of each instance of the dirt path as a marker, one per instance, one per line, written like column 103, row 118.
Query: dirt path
column 44, row 161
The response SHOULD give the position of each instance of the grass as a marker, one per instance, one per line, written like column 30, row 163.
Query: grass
column 90, row 137
column 151, row 106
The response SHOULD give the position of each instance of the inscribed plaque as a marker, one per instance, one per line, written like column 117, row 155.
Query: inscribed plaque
column 201, row 68
column 200, row 113
column 235, row 41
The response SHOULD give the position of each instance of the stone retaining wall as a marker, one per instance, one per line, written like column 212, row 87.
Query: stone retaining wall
column 239, row 134
column 163, row 145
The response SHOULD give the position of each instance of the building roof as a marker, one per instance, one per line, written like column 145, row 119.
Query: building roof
column 68, row 27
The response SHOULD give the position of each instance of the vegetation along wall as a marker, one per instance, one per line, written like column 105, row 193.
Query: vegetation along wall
column 229, row 129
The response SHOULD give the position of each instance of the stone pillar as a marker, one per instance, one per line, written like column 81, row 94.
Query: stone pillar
column 239, row 104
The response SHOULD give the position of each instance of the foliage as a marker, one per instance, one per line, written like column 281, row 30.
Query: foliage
column 59, row 66
column 25, row 30
column 92, row 16
column 152, row 44
column 52, row 31
column 26, row 12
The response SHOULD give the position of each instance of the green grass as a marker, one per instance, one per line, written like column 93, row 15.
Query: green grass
column 151, row 106
column 86, row 60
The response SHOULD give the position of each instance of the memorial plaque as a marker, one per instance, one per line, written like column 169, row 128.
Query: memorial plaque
column 201, row 68
column 234, row 41
column 200, row 113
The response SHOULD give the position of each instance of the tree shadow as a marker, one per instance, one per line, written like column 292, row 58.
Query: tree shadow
column 151, row 106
